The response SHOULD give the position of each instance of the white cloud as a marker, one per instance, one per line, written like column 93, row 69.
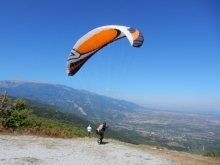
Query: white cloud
column 109, row 90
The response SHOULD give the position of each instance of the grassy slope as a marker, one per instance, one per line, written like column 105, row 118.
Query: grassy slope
column 56, row 113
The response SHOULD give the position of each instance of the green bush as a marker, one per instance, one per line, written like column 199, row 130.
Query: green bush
column 17, row 119
column 19, row 104
column 62, row 128
column 211, row 154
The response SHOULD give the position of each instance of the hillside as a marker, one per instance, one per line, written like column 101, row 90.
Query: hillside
column 78, row 101
column 53, row 118
column 57, row 113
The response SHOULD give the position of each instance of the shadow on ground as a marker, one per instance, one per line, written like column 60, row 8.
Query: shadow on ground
column 104, row 143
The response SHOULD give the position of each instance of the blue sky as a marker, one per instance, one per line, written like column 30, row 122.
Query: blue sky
column 177, row 68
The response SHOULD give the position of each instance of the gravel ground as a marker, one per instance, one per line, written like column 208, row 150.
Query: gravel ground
column 25, row 149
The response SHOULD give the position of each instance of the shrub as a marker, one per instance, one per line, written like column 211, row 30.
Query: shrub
column 211, row 154
column 19, row 104
column 17, row 119
column 160, row 148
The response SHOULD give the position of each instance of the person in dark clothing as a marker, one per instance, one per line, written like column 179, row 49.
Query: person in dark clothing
column 101, row 130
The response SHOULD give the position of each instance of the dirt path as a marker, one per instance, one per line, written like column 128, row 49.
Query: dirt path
column 24, row 149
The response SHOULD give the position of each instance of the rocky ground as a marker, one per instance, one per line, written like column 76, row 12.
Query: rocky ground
column 28, row 149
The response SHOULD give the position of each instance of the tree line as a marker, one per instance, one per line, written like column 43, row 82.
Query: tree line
column 16, row 117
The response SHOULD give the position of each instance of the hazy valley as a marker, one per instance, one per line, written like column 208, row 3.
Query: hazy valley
column 178, row 130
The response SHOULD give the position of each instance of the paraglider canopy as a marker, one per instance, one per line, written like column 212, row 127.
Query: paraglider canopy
column 95, row 40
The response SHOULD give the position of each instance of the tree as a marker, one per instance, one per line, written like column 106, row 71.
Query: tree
column 17, row 119
column 5, row 104
column 19, row 104
column 15, row 116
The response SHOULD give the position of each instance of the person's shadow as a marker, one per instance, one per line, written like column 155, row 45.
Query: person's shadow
column 104, row 143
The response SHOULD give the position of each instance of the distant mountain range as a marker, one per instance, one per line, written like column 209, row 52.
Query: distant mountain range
column 78, row 101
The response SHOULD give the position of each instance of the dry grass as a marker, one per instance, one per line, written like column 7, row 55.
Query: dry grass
column 31, row 131
column 186, row 158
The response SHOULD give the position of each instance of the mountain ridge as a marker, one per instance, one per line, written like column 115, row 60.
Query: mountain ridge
column 80, row 101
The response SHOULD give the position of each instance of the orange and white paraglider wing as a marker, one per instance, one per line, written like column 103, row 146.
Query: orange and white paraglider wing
column 95, row 40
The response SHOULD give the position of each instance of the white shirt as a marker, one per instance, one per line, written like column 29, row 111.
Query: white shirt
column 89, row 129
